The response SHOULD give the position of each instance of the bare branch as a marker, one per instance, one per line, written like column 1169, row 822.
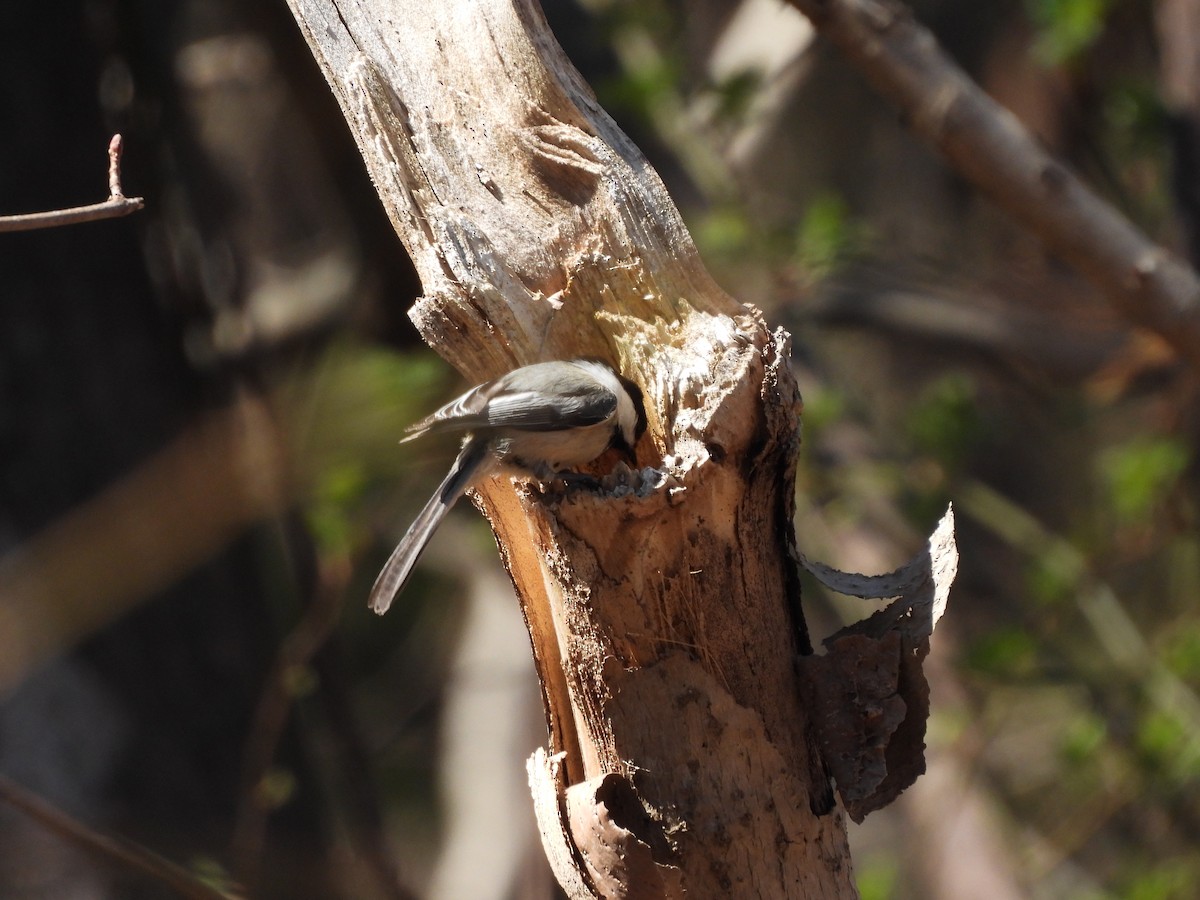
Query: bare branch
column 988, row 146
column 126, row 854
column 114, row 207
column 115, row 149
column 325, row 592
column 143, row 532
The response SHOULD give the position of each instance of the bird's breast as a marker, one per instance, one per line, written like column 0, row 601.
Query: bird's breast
column 555, row 449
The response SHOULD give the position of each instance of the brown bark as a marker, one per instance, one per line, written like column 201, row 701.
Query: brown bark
column 663, row 618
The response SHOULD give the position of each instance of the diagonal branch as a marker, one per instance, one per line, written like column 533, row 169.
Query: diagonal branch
column 988, row 147
column 121, row 853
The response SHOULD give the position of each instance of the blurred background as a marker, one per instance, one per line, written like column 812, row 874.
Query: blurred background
column 199, row 477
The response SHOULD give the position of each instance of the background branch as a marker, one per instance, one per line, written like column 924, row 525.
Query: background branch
column 114, row 207
column 989, row 147
column 122, row 853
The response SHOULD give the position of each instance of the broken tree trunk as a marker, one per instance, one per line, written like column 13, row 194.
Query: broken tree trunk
column 664, row 613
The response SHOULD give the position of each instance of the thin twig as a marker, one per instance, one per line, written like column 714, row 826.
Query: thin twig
column 114, row 207
column 365, row 818
column 322, row 579
column 115, row 149
column 323, row 584
column 988, row 147
column 124, row 853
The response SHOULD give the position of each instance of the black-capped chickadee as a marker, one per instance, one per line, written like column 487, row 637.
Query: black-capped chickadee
column 539, row 419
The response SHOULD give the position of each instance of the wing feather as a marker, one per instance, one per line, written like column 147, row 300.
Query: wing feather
column 533, row 398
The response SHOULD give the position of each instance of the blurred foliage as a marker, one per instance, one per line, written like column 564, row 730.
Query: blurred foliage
column 1084, row 738
column 877, row 877
column 1137, row 477
column 945, row 421
column 828, row 237
column 1053, row 574
column 723, row 233
column 640, row 92
column 1182, row 653
column 734, row 96
column 1007, row 653
column 1066, row 28
column 333, row 502
column 1174, row 880
column 347, row 413
column 647, row 74
column 350, row 407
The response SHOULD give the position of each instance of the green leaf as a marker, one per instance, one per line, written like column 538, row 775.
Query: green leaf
column 1173, row 880
column 945, row 422
column 1008, row 653
column 1139, row 475
column 331, row 512
column 1066, row 28
column 1182, row 652
column 723, row 232
column 827, row 237
column 1054, row 575
column 877, row 876
column 1084, row 737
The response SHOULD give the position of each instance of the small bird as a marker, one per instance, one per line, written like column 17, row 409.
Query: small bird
column 539, row 419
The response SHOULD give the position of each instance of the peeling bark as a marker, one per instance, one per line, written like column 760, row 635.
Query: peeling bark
column 868, row 695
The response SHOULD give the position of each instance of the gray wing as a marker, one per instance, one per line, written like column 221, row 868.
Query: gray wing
column 540, row 397
column 461, row 414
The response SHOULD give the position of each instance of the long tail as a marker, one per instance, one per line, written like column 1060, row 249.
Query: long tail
column 399, row 566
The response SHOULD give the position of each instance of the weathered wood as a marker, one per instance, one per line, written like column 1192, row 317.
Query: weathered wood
column 664, row 620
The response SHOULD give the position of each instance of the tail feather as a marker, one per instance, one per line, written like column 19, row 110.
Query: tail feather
column 399, row 567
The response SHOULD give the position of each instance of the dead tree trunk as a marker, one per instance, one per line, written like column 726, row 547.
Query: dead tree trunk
column 664, row 620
